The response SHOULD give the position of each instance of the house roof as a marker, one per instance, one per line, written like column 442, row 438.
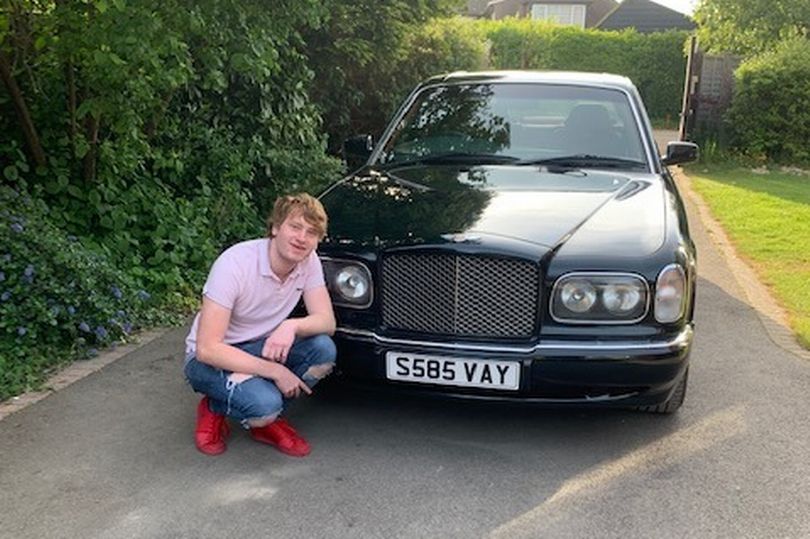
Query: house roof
column 645, row 16
column 595, row 10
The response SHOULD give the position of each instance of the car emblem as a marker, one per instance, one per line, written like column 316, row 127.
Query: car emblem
column 461, row 238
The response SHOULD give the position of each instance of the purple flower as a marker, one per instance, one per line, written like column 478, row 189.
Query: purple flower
column 101, row 332
column 92, row 352
column 120, row 314
column 127, row 328
column 71, row 237
column 17, row 227
column 71, row 310
column 84, row 327
column 5, row 258
column 29, row 270
column 116, row 292
column 5, row 296
column 55, row 310
column 144, row 295
column 2, row 276
column 21, row 331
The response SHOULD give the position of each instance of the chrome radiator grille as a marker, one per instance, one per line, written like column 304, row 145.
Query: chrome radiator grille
column 460, row 295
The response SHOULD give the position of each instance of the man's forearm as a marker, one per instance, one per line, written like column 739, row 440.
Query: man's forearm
column 229, row 358
column 313, row 324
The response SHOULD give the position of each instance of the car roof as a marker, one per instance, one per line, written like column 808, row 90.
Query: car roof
column 578, row 78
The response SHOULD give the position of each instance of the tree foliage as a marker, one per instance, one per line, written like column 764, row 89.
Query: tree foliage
column 357, row 55
column 750, row 26
column 159, row 120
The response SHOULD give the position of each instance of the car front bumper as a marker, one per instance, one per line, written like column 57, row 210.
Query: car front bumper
column 626, row 373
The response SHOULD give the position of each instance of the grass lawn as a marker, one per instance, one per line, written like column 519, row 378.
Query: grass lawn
column 767, row 216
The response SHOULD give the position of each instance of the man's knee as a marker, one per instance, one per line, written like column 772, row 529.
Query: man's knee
column 318, row 372
column 324, row 349
column 258, row 401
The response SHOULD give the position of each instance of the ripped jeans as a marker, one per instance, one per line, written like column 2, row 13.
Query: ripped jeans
column 259, row 397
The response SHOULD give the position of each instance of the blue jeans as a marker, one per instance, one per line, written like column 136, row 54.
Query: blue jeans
column 258, row 397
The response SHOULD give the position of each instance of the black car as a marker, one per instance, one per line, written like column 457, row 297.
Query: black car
column 515, row 235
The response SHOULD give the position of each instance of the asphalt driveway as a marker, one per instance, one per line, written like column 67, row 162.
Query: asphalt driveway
column 112, row 455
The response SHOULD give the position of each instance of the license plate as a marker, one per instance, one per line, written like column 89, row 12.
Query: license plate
column 449, row 371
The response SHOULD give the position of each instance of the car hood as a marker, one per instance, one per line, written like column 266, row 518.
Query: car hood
column 580, row 210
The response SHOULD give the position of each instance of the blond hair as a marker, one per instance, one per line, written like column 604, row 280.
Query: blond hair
column 303, row 203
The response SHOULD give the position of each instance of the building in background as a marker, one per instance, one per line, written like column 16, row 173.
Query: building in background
column 581, row 13
column 645, row 16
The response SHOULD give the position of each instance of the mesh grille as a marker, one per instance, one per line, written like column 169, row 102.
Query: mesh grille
column 461, row 295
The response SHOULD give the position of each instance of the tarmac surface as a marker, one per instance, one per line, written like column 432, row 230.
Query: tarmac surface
column 110, row 454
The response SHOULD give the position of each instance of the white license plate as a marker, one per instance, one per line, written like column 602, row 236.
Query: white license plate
column 450, row 371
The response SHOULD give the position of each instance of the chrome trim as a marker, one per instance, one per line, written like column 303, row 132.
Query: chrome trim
column 679, row 341
column 584, row 321
column 362, row 266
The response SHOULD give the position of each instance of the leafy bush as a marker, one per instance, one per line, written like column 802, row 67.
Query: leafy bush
column 770, row 109
column 58, row 300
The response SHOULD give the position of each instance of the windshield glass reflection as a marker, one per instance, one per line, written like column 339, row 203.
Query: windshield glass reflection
column 520, row 121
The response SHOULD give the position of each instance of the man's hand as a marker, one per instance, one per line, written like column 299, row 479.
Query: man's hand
column 278, row 344
column 289, row 384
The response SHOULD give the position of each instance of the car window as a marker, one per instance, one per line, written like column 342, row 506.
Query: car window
column 524, row 121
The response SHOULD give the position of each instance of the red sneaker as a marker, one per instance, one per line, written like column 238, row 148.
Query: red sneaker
column 280, row 434
column 211, row 431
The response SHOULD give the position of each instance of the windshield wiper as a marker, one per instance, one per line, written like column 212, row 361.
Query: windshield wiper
column 453, row 158
column 586, row 161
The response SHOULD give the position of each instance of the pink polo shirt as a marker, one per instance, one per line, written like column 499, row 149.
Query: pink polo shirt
column 241, row 280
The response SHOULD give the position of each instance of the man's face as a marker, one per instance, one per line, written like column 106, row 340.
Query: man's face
column 295, row 238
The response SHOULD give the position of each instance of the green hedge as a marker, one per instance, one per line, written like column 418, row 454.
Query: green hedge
column 770, row 110
column 655, row 62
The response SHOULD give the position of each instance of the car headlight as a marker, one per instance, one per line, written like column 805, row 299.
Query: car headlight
column 578, row 296
column 605, row 298
column 670, row 294
column 349, row 282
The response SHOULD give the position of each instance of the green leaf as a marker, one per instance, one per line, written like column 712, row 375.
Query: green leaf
column 52, row 187
column 94, row 197
column 11, row 173
column 75, row 192
column 101, row 5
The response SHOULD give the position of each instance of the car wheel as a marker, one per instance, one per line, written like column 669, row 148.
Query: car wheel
column 674, row 402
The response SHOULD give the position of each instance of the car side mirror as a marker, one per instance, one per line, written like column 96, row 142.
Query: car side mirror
column 357, row 150
column 680, row 152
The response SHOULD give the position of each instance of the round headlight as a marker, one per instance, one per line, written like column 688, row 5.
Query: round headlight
column 578, row 296
column 352, row 283
column 620, row 298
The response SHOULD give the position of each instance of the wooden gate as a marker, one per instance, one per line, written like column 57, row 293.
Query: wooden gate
column 708, row 89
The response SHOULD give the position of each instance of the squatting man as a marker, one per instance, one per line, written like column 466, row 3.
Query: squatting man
column 244, row 353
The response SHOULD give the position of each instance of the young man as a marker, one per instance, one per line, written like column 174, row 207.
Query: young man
column 244, row 353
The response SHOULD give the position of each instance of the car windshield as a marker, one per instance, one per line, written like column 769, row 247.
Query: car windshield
column 517, row 123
